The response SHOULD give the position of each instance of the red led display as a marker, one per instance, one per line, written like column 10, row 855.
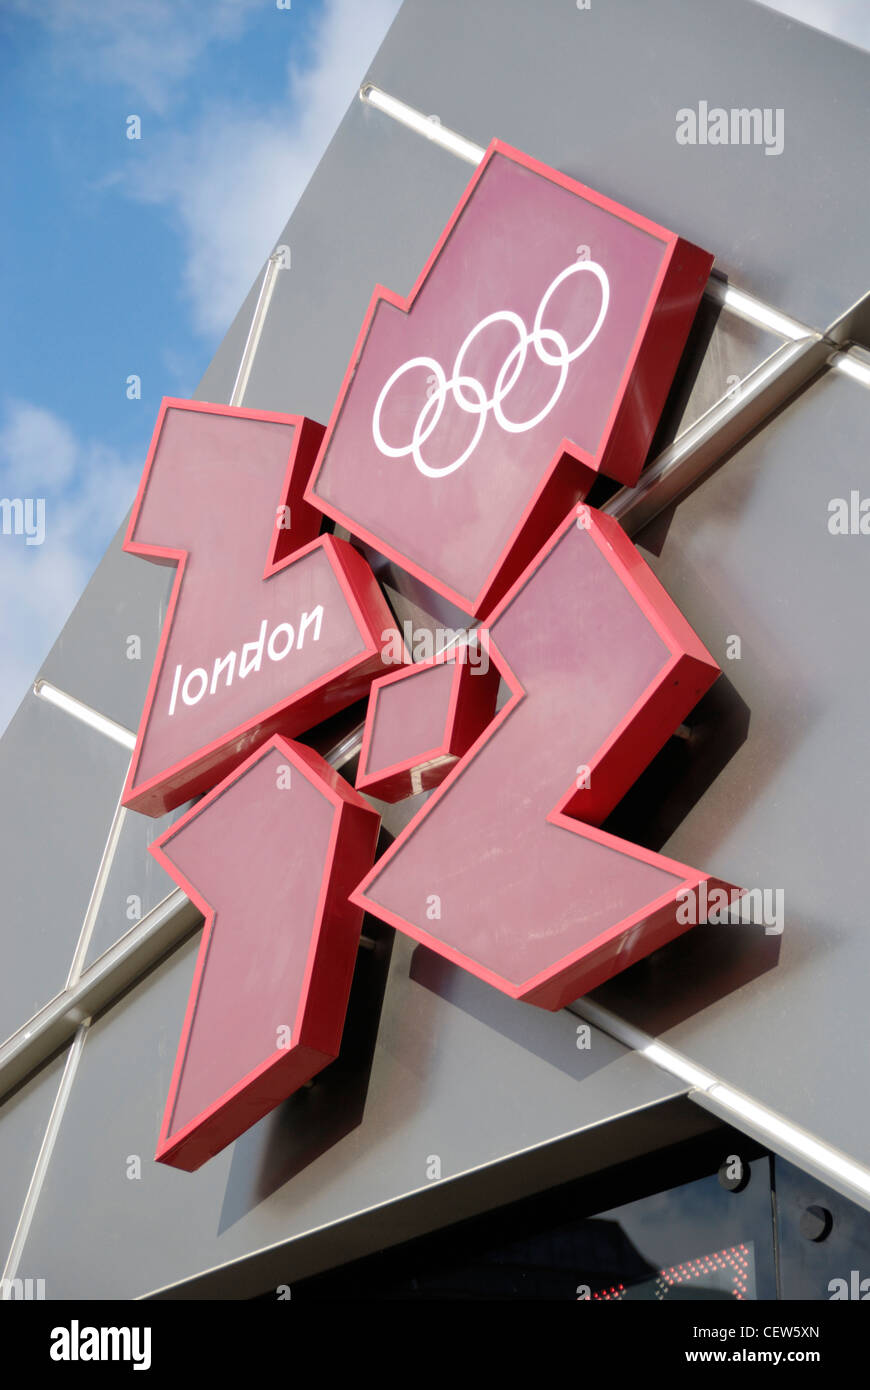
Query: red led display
column 728, row 1271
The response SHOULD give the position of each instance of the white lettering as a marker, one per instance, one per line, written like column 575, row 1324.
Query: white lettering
column 246, row 665
column 229, row 661
column 316, row 617
column 198, row 674
column 174, row 690
column 75, row 1343
column 280, row 644
column 287, row 630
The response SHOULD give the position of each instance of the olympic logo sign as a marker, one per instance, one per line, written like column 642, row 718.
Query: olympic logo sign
column 518, row 792
column 550, row 348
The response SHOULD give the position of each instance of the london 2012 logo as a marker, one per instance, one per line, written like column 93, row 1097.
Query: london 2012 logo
column 275, row 626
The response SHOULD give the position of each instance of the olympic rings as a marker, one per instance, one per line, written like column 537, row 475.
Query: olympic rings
column 459, row 382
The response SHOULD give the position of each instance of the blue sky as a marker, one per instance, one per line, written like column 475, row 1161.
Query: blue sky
column 121, row 257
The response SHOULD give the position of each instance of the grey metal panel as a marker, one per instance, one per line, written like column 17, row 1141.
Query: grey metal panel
column 595, row 93
column 126, row 597
column 371, row 214
column 451, row 1069
column 59, row 785
column 127, row 960
column 135, row 883
column 23, row 1118
column 722, row 349
column 773, row 790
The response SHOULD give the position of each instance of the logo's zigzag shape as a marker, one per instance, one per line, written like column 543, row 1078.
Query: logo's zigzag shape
column 421, row 720
column 534, row 353
column 270, row 628
column 461, row 435
column 277, row 954
column 504, row 870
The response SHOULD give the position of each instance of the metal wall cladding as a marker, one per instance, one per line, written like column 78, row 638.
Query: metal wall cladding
column 429, row 1083
column 96, row 657
column 774, row 789
column 59, row 785
column 23, row 1120
column 596, row 94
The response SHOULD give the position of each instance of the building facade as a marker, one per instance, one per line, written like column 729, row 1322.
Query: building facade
column 466, row 1144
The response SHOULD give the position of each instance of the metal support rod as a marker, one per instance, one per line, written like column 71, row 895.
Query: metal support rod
column 261, row 309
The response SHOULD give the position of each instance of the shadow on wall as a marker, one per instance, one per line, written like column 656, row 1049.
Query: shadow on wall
column 318, row 1116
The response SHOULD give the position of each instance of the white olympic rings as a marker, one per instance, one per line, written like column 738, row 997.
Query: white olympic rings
column 458, row 383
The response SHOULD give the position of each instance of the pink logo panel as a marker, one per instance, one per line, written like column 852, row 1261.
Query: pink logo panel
column 497, row 872
column 269, row 996
column 422, row 719
column 535, row 350
column 261, row 636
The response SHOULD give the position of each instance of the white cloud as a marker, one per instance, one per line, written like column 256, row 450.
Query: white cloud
column 347, row 39
column 231, row 183
column 87, row 489
column 36, row 444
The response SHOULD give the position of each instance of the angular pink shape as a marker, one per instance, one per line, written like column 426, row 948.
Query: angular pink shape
column 421, row 719
column 269, row 857
column 269, row 629
column 535, row 350
column 496, row 873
